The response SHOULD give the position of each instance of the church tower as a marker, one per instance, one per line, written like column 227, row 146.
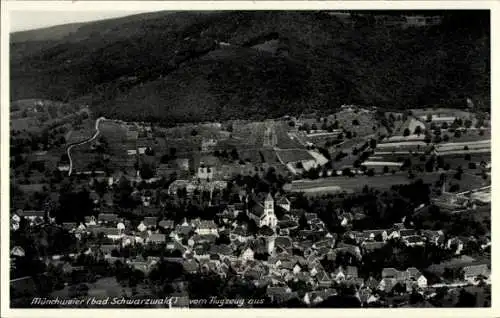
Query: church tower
column 269, row 205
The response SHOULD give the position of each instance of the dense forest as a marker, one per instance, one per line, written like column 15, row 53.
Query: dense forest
column 188, row 66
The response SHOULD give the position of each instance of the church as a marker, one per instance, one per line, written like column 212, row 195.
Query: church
column 263, row 213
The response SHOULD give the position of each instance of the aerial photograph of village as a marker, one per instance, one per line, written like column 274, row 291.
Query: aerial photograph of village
column 252, row 159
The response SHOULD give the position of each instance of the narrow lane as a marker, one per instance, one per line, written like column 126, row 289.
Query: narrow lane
column 68, row 150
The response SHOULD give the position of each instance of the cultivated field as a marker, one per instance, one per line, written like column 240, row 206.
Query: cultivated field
column 355, row 183
column 287, row 156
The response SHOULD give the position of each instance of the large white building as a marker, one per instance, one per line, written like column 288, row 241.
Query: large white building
column 263, row 214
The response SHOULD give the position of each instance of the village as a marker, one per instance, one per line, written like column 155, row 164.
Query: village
column 376, row 207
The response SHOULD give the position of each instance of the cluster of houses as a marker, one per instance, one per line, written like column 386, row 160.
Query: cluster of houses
column 276, row 256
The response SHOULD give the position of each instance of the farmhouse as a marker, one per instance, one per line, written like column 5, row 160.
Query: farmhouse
column 474, row 272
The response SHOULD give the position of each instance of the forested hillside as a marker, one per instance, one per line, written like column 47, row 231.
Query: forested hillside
column 172, row 67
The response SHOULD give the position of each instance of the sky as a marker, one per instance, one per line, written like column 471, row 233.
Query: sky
column 29, row 20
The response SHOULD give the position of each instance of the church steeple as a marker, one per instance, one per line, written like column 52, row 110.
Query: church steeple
column 269, row 198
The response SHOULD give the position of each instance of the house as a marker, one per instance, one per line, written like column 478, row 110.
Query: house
column 176, row 246
column 69, row 226
column 434, row 237
column 107, row 249
column 207, row 144
column 247, row 254
column 156, row 238
column 263, row 214
column 17, row 251
column 184, row 229
column 109, row 232
column 223, row 250
column 240, row 234
column 280, row 243
column 205, row 173
column 90, row 220
column 323, row 279
column 207, row 227
column 318, row 296
column 415, row 275
column 142, row 227
column 474, row 272
column 142, row 266
column 376, row 235
column 15, row 220
column 387, row 284
column 191, row 266
column 181, row 301
column 32, row 215
column 326, row 243
column 284, row 203
column 414, row 240
column 404, row 233
column 128, row 240
column 349, row 272
column 279, row 294
column 107, row 218
column 166, row 224
column 150, row 222
column 354, row 250
column 345, row 218
column 369, row 247
column 455, row 244
column 409, row 277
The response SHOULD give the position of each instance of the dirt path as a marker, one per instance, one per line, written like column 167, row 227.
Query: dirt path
column 68, row 150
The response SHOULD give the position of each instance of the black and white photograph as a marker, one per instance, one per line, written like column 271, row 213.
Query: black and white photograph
column 284, row 158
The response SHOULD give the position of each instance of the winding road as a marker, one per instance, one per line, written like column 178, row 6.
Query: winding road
column 68, row 150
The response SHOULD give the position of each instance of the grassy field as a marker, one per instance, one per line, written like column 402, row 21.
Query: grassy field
column 293, row 155
column 35, row 187
column 459, row 160
column 28, row 124
column 84, row 131
column 355, row 183
column 249, row 133
column 284, row 141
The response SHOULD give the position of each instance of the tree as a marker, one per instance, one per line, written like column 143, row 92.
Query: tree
column 194, row 132
column 146, row 171
column 406, row 132
column 303, row 222
column 386, row 169
column 347, row 172
column 234, row 154
column 418, row 130
column 429, row 118
column 446, row 138
column 466, row 299
column 373, row 143
column 467, row 157
column 355, row 122
column 370, row 172
column 427, row 139
column 458, row 134
column 444, row 125
column 406, row 164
